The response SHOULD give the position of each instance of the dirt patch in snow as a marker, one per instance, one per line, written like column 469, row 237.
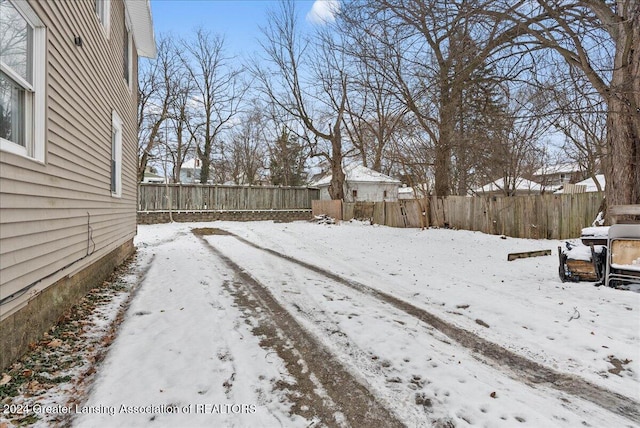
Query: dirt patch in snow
column 323, row 390
column 516, row 366
column 618, row 365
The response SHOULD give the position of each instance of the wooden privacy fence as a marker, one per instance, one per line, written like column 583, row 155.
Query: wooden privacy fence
column 407, row 213
column 331, row 208
column 205, row 197
column 536, row 216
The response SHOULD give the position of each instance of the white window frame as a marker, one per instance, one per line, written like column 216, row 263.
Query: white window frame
column 102, row 9
column 115, row 169
column 35, row 102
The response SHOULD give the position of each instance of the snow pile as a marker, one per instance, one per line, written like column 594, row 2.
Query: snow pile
column 324, row 219
column 582, row 252
column 595, row 232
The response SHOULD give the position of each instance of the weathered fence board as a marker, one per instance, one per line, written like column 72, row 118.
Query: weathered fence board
column 413, row 213
column 393, row 215
column 515, row 256
column 333, row 209
column 198, row 197
column 379, row 214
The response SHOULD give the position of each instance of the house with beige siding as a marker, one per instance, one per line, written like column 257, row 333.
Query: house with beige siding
column 68, row 154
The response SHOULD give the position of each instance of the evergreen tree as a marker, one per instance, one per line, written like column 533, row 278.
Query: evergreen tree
column 287, row 161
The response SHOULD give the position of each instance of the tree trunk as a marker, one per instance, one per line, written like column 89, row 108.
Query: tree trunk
column 622, row 167
column 336, row 186
column 442, row 168
column 443, row 152
column 205, row 156
column 142, row 165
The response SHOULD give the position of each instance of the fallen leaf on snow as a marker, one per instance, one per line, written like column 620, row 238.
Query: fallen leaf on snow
column 5, row 379
column 55, row 343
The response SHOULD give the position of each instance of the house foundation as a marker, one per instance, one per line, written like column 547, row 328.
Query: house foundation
column 42, row 311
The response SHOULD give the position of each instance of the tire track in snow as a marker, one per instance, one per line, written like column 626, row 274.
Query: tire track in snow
column 354, row 402
column 519, row 367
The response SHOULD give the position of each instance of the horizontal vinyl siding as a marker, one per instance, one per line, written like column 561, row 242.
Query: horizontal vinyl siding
column 45, row 207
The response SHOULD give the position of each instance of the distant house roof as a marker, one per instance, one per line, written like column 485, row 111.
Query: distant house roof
column 421, row 189
column 522, row 185
column 191, row 164
column 150, row 177
column 358, row 174
column 561, row 168
column 590, row 184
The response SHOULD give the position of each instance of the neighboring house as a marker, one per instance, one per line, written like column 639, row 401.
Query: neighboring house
column 68, row 154
column 588, row 185
column 499, row 188
column 406, row 192
column 553, row 176
column 362, row 184
column 190, row 171
column 417, row 192
column 150, row 176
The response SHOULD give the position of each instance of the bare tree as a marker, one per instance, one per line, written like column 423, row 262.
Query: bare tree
column 218, row 90
column 601, row 39
column 310, row 85
column 375, row 113
column 515, row 150
column 581, row 117
column 249, row 148
column 431, row 49
column 158, row 80
column 411, row 153
column 184, row 127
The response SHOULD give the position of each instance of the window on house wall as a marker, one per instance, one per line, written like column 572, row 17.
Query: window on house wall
column 126, row 57
column 103, row 11
column 384, row 193
column 354, row 193
column 22, row 80
column 116, row 155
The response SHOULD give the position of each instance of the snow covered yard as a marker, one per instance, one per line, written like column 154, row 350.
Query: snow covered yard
column 300, row 324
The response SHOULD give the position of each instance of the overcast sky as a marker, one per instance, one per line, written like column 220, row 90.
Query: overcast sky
column 237, row 20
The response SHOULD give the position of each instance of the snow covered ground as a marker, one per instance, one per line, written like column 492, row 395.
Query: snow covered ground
column 195, row 348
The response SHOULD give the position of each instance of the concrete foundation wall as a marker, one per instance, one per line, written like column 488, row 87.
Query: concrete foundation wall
column 154, row 217
column 43, row 310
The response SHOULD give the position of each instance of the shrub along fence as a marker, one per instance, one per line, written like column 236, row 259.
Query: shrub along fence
column 205, row 197
column 536, row 216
